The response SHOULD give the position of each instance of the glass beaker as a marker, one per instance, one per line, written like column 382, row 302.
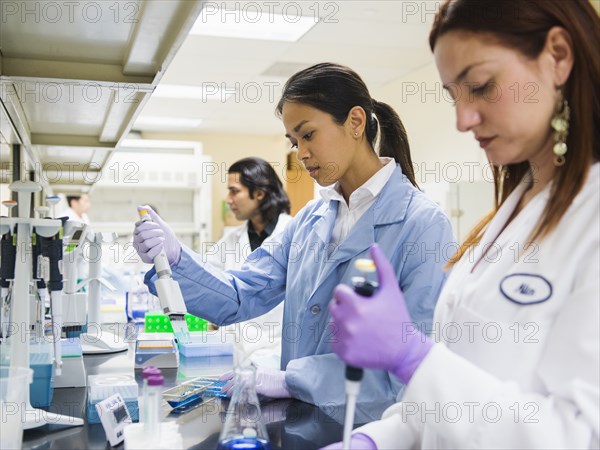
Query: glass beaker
column 244, row 427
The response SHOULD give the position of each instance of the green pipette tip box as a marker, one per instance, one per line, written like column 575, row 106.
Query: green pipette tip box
column 160, row 323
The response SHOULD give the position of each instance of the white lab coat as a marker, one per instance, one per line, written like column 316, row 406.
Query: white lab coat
column 72, row 215
column 518, row 366
column 257, row 340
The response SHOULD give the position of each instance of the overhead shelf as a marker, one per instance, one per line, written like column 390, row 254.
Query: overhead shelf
column 75, row 75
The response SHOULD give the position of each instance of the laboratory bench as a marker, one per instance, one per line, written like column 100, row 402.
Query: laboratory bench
column 291, row 424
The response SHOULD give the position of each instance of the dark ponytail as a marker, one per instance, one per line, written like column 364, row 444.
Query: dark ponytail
column 393, row 141
column 336, row 89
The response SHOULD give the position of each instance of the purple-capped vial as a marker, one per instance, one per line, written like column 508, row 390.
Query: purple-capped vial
column 156, row 380
column 152, row 403
column 150, row 371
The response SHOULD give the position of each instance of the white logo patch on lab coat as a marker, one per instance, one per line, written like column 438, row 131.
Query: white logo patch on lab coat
column 526, row 289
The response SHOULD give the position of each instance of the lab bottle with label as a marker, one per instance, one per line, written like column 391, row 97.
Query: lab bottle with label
column 137, row 299
column 244, row 427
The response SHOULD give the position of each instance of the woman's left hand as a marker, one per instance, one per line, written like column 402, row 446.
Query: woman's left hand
column 377, row 332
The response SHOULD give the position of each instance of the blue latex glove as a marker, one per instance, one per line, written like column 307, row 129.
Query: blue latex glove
column 377, row 332
column 149, row 238
column 359, row 441
column 269, row 382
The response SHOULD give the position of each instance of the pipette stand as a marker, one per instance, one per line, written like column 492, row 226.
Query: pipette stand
column 19, row 342
column 73, row 309
column 6, row 284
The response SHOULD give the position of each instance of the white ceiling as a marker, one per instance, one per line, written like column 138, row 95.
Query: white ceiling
column 381, row 40
column 74, row 76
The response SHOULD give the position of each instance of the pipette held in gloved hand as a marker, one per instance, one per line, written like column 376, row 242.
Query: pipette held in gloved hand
column 378, row 333
column 168, row 290
column 365, row 287
column 153, row 235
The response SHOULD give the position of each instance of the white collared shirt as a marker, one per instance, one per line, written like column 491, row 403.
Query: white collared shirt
column 72, row 215
column 359, row 202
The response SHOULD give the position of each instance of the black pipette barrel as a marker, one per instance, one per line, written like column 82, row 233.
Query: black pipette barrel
column 365, row 288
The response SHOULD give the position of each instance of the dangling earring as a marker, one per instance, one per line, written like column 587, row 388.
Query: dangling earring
column 503, row 174
column 560, row 125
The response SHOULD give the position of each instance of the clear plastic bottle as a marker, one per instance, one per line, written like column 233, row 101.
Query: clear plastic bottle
column 147, row 372
column 137, row 298
column 129, row 293
column 244, row 427
column 152, row 403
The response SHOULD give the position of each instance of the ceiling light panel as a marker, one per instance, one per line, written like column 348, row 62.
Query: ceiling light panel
column 249, row 21
column 171, row 122
column 205, row 92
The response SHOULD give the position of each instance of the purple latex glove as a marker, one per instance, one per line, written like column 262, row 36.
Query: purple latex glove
column 269, row 382
column 377, row 332
column 149, row 238
column 358, row 441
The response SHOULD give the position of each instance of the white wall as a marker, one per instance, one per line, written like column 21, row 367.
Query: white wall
column 225, row 150
column 442, row 156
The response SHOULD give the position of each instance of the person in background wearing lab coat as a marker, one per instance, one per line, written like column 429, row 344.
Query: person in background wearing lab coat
column 79, row 205
column 256, row 196
column 517, row 362
column 357, row 148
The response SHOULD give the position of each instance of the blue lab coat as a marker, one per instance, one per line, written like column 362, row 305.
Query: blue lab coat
column 303, row 268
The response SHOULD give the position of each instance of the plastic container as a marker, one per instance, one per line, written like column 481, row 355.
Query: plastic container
column 152, row 406
column 137, row 299
column 192, row 393
column 71, row 348
column 157, row 323
column 40, row 361
column 207, row 367
column 14, row 383
column 206, row 344
column 160, row 323
column 100, row 387
column 149, row 371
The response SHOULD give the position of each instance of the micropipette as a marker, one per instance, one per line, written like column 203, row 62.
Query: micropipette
column 365, row 287
column 169, row 293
